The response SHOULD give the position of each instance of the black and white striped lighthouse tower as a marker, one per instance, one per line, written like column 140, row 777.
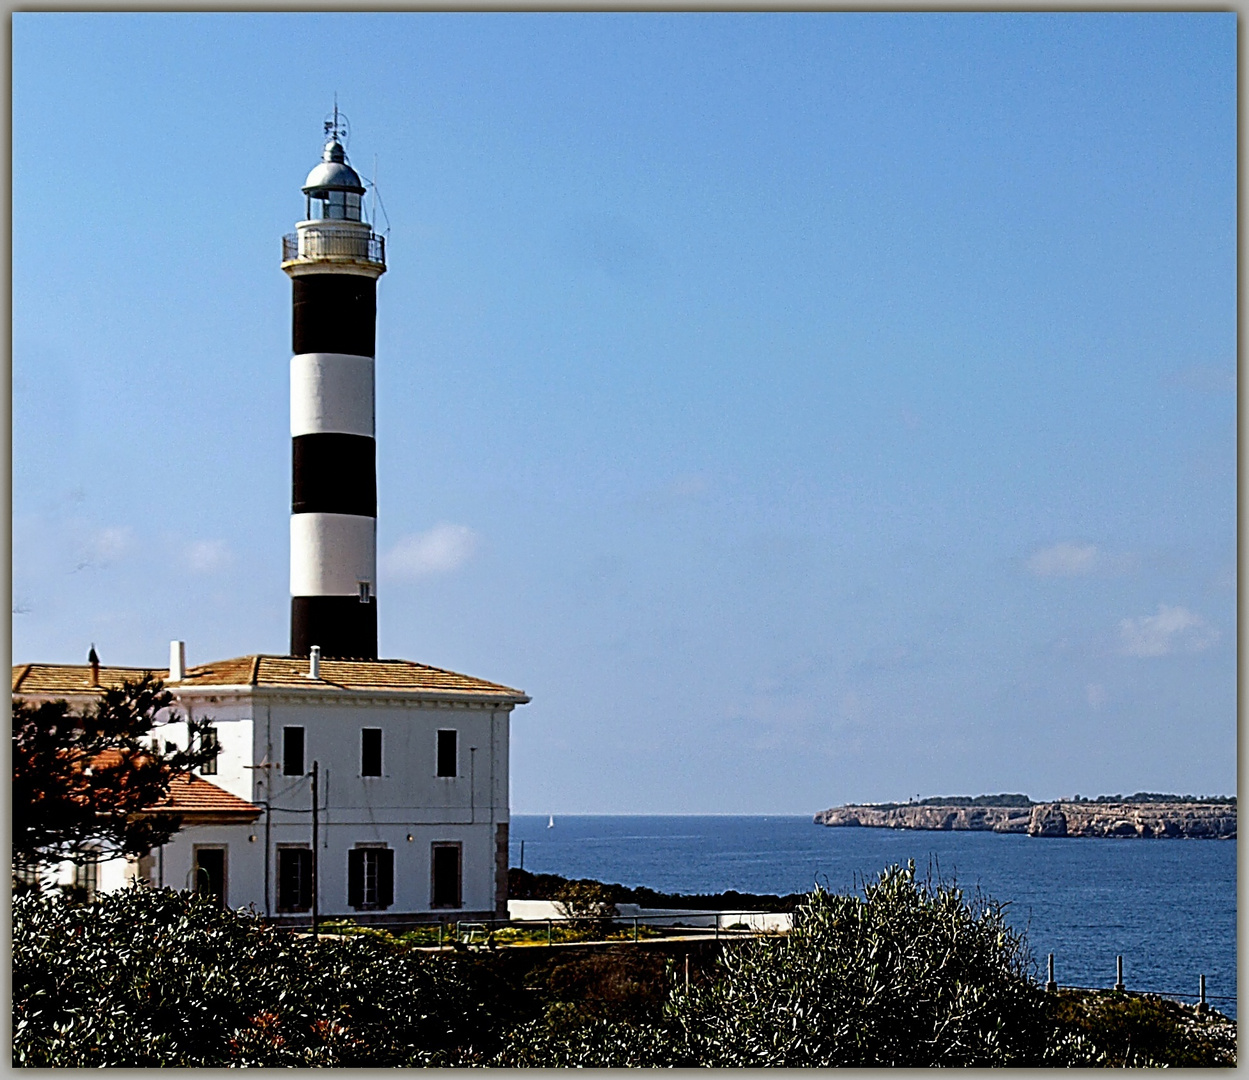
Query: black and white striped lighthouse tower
column 334, row 260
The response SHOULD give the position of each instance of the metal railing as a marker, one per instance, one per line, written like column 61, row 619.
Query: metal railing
column 331, row 243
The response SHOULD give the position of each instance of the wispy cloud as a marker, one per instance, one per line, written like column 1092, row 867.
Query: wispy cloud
column 436, row 551
column 1172, row 630
column 208, row 556
column 1066, row 559
column 102, row 547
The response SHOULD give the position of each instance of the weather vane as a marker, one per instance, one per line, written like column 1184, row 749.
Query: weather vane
column 337, row 126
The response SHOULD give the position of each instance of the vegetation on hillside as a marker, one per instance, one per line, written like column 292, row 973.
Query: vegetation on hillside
column 523, row 885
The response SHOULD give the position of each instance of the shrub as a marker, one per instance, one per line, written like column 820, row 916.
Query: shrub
column 1132, row 1031
column 590, row 903
column 147, row 977
column 907, row 974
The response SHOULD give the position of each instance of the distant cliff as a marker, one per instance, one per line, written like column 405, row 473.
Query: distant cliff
column 1127, row 819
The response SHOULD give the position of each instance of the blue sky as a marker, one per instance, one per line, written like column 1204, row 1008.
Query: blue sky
column 803, row 408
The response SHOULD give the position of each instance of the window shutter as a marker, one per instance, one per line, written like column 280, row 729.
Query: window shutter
column 355, row 877
column 385, row 878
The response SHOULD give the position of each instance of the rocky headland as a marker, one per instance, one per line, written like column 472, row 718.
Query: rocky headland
column 1129, row 818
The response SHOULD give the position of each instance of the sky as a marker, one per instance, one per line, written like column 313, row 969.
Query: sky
column 803, row 408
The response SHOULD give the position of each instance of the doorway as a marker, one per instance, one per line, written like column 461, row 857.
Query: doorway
column 209, row 873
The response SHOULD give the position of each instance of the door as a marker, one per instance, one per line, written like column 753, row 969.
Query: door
column 446, row 876
column 210, row 874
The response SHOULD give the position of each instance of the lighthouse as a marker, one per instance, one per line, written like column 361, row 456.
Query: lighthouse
column 334, row 260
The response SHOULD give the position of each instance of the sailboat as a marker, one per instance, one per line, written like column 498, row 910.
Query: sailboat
column 550, row 822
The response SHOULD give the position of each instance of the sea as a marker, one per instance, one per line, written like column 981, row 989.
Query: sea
column 1168, row 907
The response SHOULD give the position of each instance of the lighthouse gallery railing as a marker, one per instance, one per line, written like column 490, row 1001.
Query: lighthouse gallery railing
column 314, row 243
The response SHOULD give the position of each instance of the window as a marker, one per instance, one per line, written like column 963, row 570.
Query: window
column 293, row 751
column 209, row 742
column 294, row 879
column 87, row 880
column 371, row 751
column 366, row 592
column 446, row 753
column 445, row 875
column 370, row 878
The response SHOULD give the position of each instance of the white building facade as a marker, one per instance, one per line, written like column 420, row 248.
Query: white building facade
column 411, row 770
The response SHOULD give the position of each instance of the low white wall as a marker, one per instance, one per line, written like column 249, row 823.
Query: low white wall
column 768, row 921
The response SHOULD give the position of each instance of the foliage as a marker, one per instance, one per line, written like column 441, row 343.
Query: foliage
column 908, row 974
column 523, row 885
column 591, row 904
column 80, row 782
column 1132, row 1031
column 1004, row 800
column 147, row 977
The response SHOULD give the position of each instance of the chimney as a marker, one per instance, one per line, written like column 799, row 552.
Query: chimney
column 94, row 661
column 177, row 661
column 314, row 662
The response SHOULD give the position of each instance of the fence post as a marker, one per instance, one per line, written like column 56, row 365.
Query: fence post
column 548, row 931
column 440, row 934
column 1119, row 973
column 635, row 932
column 1051, row 986
column 1201, row 987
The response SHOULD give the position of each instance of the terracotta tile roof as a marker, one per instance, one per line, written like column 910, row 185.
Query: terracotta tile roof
column 190, row 795
column 73, row 678
column 287, row 671
column 270, row 671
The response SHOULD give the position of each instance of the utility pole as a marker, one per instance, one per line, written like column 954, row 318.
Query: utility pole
column 315, row 835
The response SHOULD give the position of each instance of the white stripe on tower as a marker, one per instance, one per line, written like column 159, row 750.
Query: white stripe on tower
column 332, row 392
column 334, row 260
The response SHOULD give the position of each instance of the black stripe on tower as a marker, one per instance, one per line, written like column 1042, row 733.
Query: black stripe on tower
column 334, row 313
column 344, row 628
column 334, row 474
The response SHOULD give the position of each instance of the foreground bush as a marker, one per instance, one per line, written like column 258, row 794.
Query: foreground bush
column 148, row 977
column 1131, row 1031
column 907, row 974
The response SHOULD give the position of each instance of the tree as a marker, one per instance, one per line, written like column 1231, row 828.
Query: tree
column 590, row 904
column 84, row 783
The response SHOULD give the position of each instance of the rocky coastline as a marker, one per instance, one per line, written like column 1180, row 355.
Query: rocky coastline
column 1178, row 820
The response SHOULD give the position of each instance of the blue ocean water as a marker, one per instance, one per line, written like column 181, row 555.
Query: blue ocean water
column 1167, row 906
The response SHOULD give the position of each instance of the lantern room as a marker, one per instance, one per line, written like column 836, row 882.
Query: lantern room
column 333, row 189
